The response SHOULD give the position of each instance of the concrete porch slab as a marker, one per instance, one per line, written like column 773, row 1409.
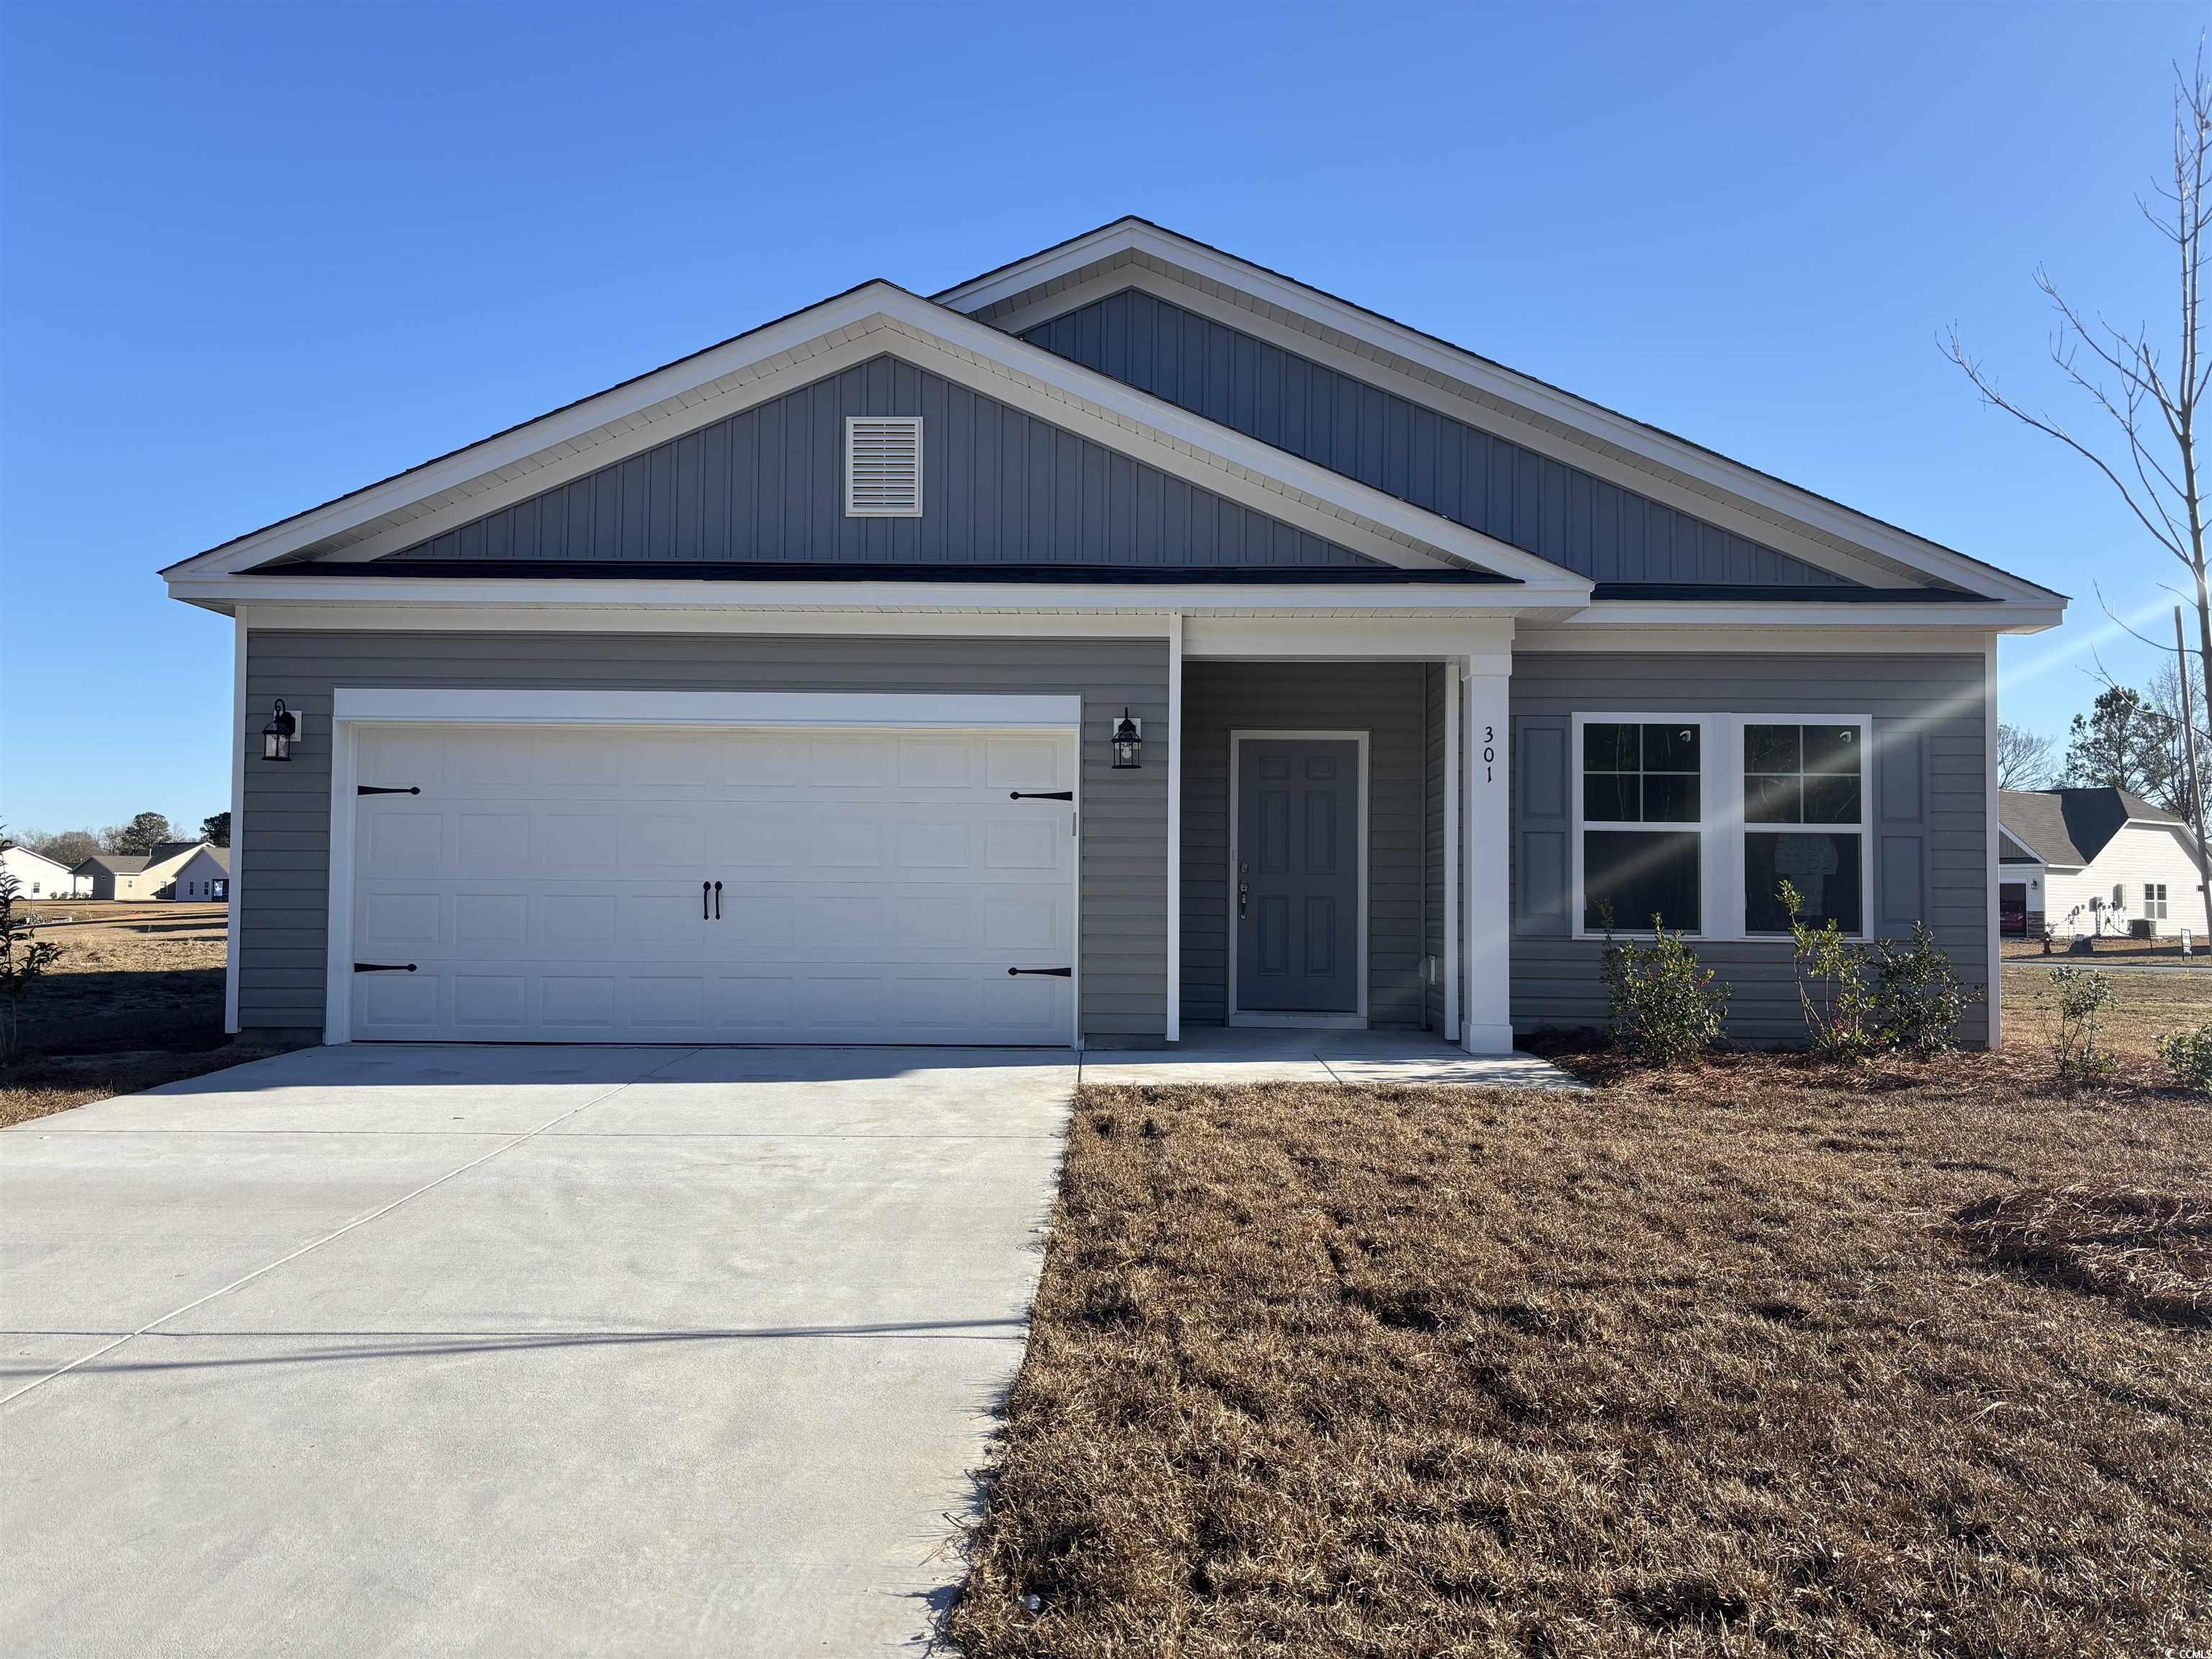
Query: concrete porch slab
column 1239, row 1054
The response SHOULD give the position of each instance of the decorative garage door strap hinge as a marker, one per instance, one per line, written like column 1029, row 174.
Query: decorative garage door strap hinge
column 1049, row 973
column 383, row 967
column 381, row 789
column 1042, row 794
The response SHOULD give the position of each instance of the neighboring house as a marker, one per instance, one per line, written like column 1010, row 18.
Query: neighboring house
column 40, row 875
column 2094, row 861
column 203, row 876
column 136, row 876
column 774, row 695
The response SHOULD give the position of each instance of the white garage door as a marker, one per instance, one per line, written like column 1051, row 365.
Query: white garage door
column 716, row 884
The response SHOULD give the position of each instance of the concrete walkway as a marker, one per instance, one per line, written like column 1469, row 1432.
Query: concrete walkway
column 513, row 1350
column 1244, row 1054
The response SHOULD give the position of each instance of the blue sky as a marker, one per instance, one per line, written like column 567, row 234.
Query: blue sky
column 257, row 256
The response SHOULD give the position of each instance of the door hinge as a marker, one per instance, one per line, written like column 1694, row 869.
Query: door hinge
column 1048, row 973
column 382, row 789
column 383, row 967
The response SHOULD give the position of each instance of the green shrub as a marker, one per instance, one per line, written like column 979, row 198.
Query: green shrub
column 2083, row 996
column 1919, row 1000
column 1831, row 984
column 2188, row 1057
column 1668, row 1007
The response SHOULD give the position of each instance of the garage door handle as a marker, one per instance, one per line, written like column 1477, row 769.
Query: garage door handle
column 384, row 789
column 383, row 967
column 1042, row 794
column 705, row 887
column 1049, row 973
column 718, row 901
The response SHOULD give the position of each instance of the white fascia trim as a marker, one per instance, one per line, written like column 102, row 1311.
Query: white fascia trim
column 1981, row 616
column 1096, row 406
column 1474, row 599
column 413, row 705
column 1601, row 425
column 1763, row 638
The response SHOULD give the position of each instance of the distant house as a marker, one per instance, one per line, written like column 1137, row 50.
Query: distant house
column 135, row 878
column 203, row 876
column 40, row 876
column 2094, row 861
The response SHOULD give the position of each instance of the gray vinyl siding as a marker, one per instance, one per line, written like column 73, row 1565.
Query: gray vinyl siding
column 1447, row 466
column 1936, row 700
column 1385, row 700
column 282, row 845
column 1000, row 486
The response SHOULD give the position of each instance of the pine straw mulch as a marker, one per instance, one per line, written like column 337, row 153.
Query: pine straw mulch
column 1759, row 1358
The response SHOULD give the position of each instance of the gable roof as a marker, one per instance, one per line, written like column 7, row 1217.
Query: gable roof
column 21, row 851
column 876, row 318
column 167, row 850
column 113, row 863
column 2068, row 828
column 342, row 536
column 1023, row 291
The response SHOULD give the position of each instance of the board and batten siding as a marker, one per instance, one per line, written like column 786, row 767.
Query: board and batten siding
column 283, row 856
column 1383, row 699
column 1930, row 800
column 1000, row 486
column 1407, row 449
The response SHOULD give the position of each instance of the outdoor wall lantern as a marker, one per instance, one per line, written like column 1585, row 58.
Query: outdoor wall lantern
column 1128, row 742
column 277, row 736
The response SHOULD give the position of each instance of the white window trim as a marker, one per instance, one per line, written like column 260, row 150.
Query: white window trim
column 855, row 511
column 1738, row 749
column 1357, row 1018
column 1720, row 827
column 1703, row 827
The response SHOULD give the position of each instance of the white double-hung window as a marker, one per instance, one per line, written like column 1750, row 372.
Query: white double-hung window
column 1698, row 819
column 1641, row 843
column 1804, row 822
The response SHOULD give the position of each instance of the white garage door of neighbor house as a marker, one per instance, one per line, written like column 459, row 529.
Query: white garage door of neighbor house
column 713, row 885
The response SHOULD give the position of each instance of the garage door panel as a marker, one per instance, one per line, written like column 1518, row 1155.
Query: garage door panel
column 875, row 886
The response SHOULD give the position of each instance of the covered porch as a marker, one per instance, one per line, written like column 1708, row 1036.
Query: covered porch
column 1337, row 808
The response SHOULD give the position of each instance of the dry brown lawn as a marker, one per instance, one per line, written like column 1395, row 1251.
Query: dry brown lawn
column 1734, row 1362
column 136, row 1001
column 2146, row 1002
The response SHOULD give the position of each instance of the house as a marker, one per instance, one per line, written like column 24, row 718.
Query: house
column 203, row 876
column 2095, row 861
column 38, row 876
column 136, row 876
column 1130, row 639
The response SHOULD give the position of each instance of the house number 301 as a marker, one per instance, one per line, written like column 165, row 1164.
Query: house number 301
column 1490, row 754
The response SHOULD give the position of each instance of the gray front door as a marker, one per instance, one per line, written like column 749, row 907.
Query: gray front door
column 1298, row 876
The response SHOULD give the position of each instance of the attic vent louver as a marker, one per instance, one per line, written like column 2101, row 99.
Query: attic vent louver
column 882, row 467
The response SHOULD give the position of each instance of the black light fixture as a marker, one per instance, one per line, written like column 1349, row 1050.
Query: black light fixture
column 1128, row 742
column 277, row 736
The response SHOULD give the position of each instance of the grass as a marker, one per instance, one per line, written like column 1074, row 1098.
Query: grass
column 1757, row 1358
column 135, row 1001
column 2144, row 1005
column 2114, row 948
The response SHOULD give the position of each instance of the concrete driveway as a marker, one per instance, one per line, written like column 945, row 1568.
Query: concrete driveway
column 515, row 1350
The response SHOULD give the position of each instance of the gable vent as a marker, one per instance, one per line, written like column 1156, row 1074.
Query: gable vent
column 882, row 467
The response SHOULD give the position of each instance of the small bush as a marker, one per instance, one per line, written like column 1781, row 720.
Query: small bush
column 1668, row 1007
column 1831, row 984
column 1918, row 1000
column 2083, row 996
column 2188, row 1057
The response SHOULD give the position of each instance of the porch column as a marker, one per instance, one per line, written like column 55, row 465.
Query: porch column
column 1486, row 1024
column 1175, row 827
